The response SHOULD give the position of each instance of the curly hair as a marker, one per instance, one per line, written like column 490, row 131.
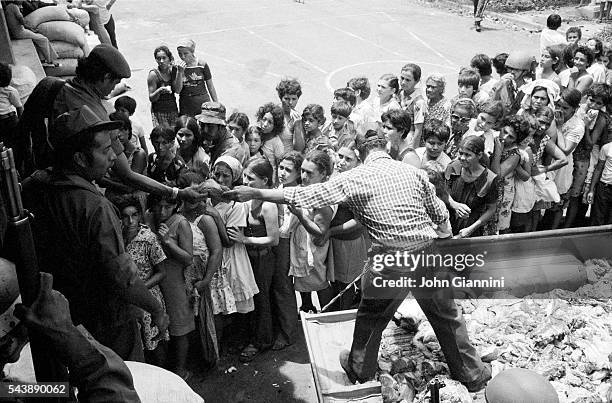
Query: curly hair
column 519, row 125
column 289, row 86
column 127, row 200
column 400, row 119
column 602, row 91
column 166, row 50
column 277, row 116
column 316, row 111
column 361, row 84
column 588, row 53
column 322, row 160
column 436, row 128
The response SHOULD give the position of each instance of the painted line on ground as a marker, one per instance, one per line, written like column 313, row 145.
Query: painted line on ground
column 289, row 52
column 393, row 52
column 424, row 43
column 164, row 40
column 330, row 75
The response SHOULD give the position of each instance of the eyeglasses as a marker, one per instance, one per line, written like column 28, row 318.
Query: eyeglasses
column 459, row 118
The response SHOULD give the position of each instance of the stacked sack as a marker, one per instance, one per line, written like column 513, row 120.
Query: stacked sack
column 66, row 36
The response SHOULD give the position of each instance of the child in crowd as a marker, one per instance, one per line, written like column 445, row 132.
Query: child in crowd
column 549, row 62
column 550, row 35
column 309, row 248
column 436, row 135
column 468, row 82
column 499, row 63
column 387, row 89
column 364, row 116
column 345, row 94
column 597, row 69
column 490, row 113
column 514, row 129
column 483, row 64
column 191, row 145
column 227, row 172
column 237, row 125
column 573, row 35
column 165, row 164
column 600, row 192
column 271, row 122
column 146, row 251
column 348, row 241
column 289, row 92
column 606, row 61
column 580, row 78
column 312, row 118
column 412, row 101
column 174, row 233
column 11, row 107
column 260, row 236
column 341, row 130
column 207, row 253
column 396, row 127
column 253, row 139
column 136, row 156
column 127, row 105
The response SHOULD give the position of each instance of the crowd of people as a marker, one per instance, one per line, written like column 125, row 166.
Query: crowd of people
column 525, row 149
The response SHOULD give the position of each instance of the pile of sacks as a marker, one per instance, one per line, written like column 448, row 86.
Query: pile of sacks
column 566, row 336
column 65, row 29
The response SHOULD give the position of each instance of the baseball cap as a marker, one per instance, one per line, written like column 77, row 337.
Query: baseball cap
column 212, row 112
column 79, row 121
column 112, row 60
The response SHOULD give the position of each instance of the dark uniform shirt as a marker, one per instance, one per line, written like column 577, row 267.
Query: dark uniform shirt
column 77, row 233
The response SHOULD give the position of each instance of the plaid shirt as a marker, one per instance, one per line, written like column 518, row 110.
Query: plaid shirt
column 393, row 200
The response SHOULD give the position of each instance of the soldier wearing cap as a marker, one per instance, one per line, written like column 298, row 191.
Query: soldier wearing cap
column 213, row 128
column 78, row 235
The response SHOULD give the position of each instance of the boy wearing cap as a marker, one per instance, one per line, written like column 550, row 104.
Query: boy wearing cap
column 197, row 86
column 214, row 131
column 78, row 235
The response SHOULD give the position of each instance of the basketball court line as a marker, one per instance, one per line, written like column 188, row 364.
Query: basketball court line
column 417, row 38
column 330, row 75
column 348, row 33
column 287, row 51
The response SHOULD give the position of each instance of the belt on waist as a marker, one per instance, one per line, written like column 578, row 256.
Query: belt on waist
column 377, row 249
column 8, row 116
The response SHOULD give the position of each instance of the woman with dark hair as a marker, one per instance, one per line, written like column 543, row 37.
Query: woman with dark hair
column 164, row 82
column 271, row 121
column 387, row 89
column 164, row 165
column 549, row 60
column 396, row 125
column 260, row 236
column 473, row 189
column 289, row 92
column 308, row 257
column 463, row 111
column 190, row 145
column 581, row 79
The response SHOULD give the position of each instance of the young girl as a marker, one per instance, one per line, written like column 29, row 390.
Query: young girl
column 514, row 130
column 164, row 83
column 253, row 140
column 413, row 102
column 137, row 158
column 233, row 215
column 436, row 135
column 309, row 248
column 396, row 127
column 313, row 118
column 190, row 142
column 597, row 69
column 174, row 233
column 197, row 85
column 271, row 121
column 207, row 254
column 348, row 240
column 146, row 251
column 580, row 79
column 387, row 89
column 289, row 170
column 606, row 61
column 260, row 235
column 164, row 165
column 549, row 61
column 490, row 113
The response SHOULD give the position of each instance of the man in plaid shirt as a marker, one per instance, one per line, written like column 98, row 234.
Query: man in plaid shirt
column 398, row 206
